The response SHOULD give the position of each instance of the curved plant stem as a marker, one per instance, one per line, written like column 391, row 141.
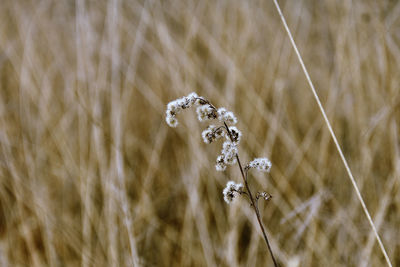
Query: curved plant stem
column 253, row 202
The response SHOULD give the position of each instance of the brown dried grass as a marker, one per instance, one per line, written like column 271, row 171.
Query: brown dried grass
column 91, row 175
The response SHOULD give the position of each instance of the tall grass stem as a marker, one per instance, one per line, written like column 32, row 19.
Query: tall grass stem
column 353, row 181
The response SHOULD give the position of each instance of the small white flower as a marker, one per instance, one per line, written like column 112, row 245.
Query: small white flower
column 212, row 133
column 261, row 164
column 227, row 116
column 235, row 134
column 205, row 113
column 231, row 190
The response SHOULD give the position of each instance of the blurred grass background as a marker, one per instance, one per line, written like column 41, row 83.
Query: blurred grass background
column 91, row 175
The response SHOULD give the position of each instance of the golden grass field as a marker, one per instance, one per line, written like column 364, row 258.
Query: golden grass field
column 91, row 175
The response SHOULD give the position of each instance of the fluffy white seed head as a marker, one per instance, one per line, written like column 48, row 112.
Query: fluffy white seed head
column 212, row 133
column 228, row 155
column 231, row 190
column 227, row 116
column 206, row 113
column 235, row 134
column 221, row 165
column 176, row 106
column 192, row 98
column 229, row 151
column 261, row 164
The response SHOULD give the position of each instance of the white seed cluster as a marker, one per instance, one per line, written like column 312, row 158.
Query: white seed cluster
column 235, row 134
column 176, row 106
column 231, row 190
column 220, row 166
column 261, row 164
column 229, row 153
column 212, row 133
column 206, row 113
column 227, row 157
column 227, row 116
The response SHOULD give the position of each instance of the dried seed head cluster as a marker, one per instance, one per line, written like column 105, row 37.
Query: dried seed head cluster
column 227, row 116
column 235, row 134
column 207, row 112
column 176, row 106
column 229, row 153
column 231, row 190
column 212, row 133
column 261, row 164
column 220, row 166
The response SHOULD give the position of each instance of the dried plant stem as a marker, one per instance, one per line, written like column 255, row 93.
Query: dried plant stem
column 353, row 181
column 253, row 202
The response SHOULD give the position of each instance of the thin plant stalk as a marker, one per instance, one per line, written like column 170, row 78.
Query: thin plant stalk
column 253, row 202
